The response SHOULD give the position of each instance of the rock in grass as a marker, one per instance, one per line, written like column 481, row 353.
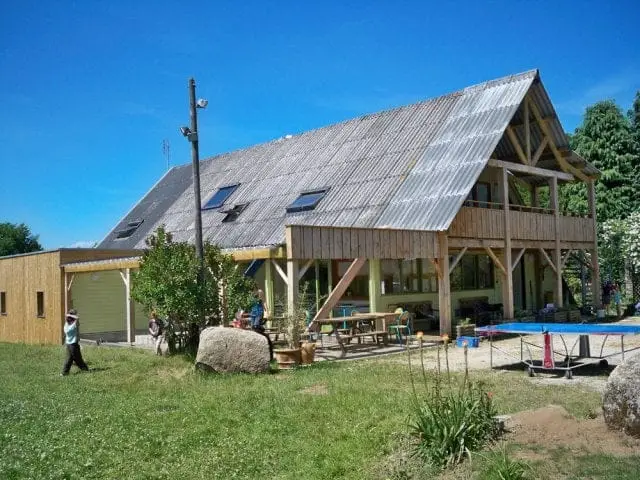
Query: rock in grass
column 230, row 350
column 621, row 399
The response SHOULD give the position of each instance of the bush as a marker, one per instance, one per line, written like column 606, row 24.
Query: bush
column 450, row 426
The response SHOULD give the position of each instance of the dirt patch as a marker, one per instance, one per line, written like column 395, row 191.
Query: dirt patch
column 317, row 389
column 553, row 426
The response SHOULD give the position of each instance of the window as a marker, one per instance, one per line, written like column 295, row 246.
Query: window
column 128, row 230
column 221, row 196
column 480, row 195
column 401, row 276
column 307, row 200
column 3, row 303
column 40, row 304
column 473, row 272
column 233, row 213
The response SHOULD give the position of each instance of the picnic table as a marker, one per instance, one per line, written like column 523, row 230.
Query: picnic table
column 354, row 328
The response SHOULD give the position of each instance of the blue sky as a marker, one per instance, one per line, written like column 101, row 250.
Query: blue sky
column 89, row 90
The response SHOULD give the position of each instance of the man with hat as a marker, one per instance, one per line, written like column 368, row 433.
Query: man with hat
column 71, row 339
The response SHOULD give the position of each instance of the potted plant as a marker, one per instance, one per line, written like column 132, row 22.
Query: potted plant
column 295, row 323
column 465, row 328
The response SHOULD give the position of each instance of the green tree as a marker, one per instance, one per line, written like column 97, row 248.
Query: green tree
column 605, row 139
column 167, row 283
column 17, row 238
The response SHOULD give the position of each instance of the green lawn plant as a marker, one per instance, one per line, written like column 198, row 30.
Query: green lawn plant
column 451, row 420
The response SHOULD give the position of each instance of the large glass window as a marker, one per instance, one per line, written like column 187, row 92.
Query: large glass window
column 402, row 276
column 429, row 277
column 307, row 200
column 473, row 272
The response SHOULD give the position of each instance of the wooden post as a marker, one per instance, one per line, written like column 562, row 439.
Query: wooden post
column 129, row 306
column 66, row 293
column 374, row 284
column 557, row 254
column 317, row 273
column 444, row 285
column 292, row 286
column 507, row 284
column 595, row 262
column 329, row 282
column 268, row 287
column 538, row 272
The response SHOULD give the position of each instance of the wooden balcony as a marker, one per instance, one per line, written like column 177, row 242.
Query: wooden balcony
column 527, row 224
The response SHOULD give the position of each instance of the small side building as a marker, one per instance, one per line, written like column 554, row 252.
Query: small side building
column 35, row 292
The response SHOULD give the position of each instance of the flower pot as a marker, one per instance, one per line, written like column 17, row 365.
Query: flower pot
column 466, row 330
column 307, row 352
column 287, row 358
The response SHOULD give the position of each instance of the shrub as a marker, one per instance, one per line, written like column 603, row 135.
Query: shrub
column 449, row 426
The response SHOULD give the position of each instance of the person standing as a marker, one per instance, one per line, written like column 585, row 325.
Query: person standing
column 155, row 330
column 256, row 314
column 71, row 340
column 617, row 300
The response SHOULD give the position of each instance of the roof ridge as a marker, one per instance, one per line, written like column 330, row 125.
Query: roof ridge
column 478, row 86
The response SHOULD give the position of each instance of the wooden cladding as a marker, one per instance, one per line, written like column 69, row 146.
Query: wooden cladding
column 576, row 229
column 478, row 223
column 337, row 243
column 484, row 223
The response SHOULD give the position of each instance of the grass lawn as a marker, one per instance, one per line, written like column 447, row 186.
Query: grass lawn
column 139, row 416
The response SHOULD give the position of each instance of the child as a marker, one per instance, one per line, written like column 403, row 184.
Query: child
column 71, row 338
column 155, row 330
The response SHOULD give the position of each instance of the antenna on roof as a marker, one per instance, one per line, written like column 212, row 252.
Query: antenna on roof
column 166, row 151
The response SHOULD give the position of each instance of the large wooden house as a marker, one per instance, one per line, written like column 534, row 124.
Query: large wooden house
column 435, row 202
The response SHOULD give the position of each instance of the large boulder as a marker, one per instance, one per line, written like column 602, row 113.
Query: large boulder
column 225, row 350
column 621, row 399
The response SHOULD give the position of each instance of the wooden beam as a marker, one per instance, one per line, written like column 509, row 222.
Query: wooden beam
column 304, row 269
column 436, row 265
column 453, row 264
column 595, row 262
column 517, row 259
column 375, row 279
column 336, row 294
column 516, row 145
column 129, row 308
column 71, row 279
column 256, row 253
column 527, row 133
column 292, row 286
column 507, row 290
column 444, row 285
column 280, row 271
column 269, row 292
column 496, row 261
column 546, row 257
column 539, row 150
column 557, row 253
column 541, row 172
column 102, row 265
column 562, row 162
column 565, row 258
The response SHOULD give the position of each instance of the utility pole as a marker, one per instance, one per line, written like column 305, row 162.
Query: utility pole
column 195, row 160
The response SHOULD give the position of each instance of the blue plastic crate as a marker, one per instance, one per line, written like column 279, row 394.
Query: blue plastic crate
column 472, row 342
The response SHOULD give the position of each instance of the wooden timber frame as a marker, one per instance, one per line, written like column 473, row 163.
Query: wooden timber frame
column 308, row 244
column 513, row 228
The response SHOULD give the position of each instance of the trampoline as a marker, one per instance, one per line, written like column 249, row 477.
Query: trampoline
column 548, row 330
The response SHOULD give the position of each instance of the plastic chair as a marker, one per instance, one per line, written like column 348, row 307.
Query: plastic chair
column 403, row 323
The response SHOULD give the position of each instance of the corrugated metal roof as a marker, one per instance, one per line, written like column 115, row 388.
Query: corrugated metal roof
column 409, row 168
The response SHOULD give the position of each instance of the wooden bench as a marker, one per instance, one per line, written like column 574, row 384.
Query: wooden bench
column 376, row 336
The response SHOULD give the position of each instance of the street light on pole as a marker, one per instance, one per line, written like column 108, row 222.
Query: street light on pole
column 191, row 133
